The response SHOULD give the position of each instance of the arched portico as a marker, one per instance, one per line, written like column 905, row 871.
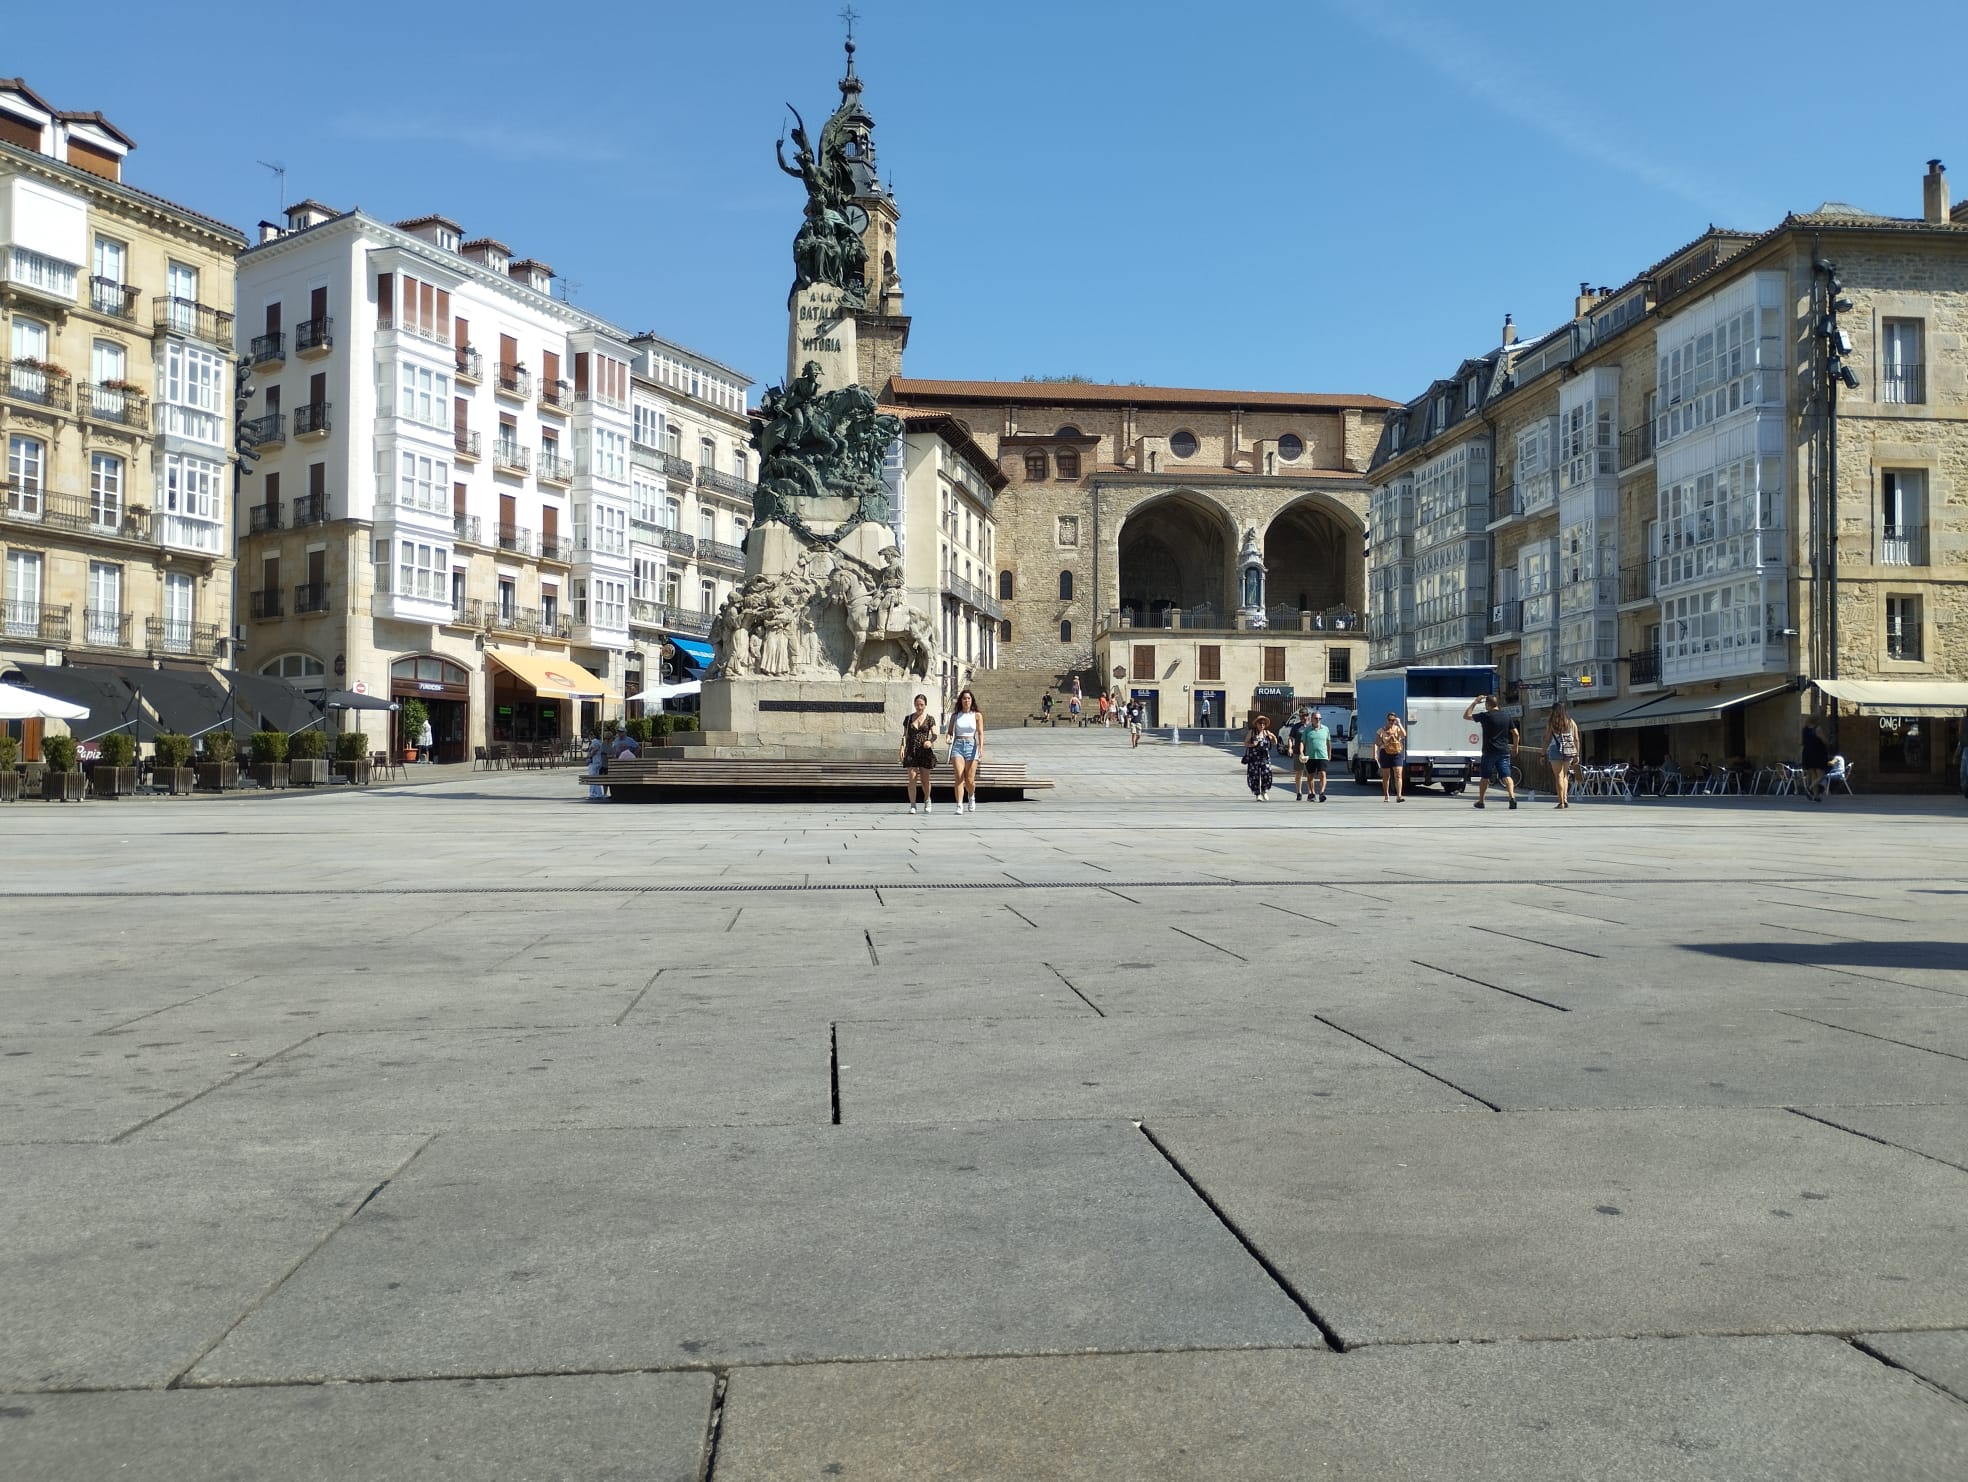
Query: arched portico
column 1312, row 556
column 1175, row 551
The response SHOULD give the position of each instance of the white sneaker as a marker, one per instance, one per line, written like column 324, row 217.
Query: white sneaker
column 929, row 807
column 912, row 807
column 973, row 805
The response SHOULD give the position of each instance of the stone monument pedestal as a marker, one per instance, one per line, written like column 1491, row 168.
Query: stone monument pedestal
column 841, row 718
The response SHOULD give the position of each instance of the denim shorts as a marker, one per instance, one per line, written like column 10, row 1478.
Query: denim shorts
column 1497, row 768
column 964, row 748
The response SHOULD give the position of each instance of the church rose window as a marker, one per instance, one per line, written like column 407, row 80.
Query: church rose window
column 1183, row 444
column 1290, row 446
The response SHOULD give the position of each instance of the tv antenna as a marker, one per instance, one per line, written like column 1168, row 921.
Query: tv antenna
column 567, row 289
column 279, row 179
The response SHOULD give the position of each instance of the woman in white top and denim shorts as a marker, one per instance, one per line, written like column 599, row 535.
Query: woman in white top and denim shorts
column 966, row 744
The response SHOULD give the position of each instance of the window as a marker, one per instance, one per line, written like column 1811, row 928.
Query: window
column 109, row 364
column 1339, row 666
column 707, row 454
column 707, row 596
column 27, row 471
column 673, row 440
column 643, row 502
column 1900, row 369
column 421, row 482
column 741, row 465
column 648, row 427
column 425, row 311
column 23, row 604
column 181, row 285
column 177, row 613
column 111, row 262
column 1209, row 663
column 1068, row 461
column 1035, row 465
column 422, row 394
column 1903, row 628
column 191, row 487
column 508, row 597
column 294, row 666
column 672, row 514
column 646, row 579
column 611, row 603
column 605, row 527
column 1004, row 586
column 1902, row 517
column 1004, row 630
column 423, row 570
column 1291, row 447
column 1065, row 586
column 105, row 491
column 706, row 524
column 1274, row 664
column 192, row 385
column 1066, row 632
column 105, row 602
column 1183, row 444
column 1143, row 661
column 610, row 459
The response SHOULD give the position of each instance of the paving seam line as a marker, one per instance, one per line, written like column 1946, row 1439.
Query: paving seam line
column 1884, row 1039
column 1892, row 1363
column 1075, row 989
column 834, row 1069
column 1321, row 1018
column 1512, row 992
column 714, row 1425
column 1870, row 1137
column 243, row 1070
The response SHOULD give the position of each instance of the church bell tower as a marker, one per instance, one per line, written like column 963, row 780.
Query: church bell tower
column 883, row 325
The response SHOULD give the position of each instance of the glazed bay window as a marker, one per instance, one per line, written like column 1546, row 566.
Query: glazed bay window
column 1902, row 379
column 423, row 570
column 192, row 385
column 611, row 604
column 648, row 579
column 1723, row 630
column 1729, row 356
column 648, row 427
column 47, row 275
column 423, row 395
column 1721, row 520
column 601, row 454
column 1902, row 517
column 422, row 482
column 602, row 527
column 190, row 501
column 1903, row 636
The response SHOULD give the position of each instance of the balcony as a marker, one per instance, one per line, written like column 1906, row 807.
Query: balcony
column 726, row 483
column 469, row 367
column 116, row 300
column 35, row 621
column 466, row 614
column 515, row 538
column 1903, row 385
column 1504, row 503
column 104, row 628
column 678, row 620
column 676, row 540
column 1643, row 667
column 311, row 421
column 174, row 636
column 1901, row 545
column 465, row 529
column 39, row 383
column 561, row 552
column 314, row 338
column 511, row 457
column 556, row 398
column 675, row 467
column 260, row 518
column 263, row 432
column 555, row 469
column 117, row 403
column 32, row 272
column 466, row 443
column 615, row 402
column 1637, row 582
column 193, row 320
column 718, row 553
column 265, row 604
column 191, row 533
column 1506, row 618
column 33, row 504
column 270, row 349
column 311, row 509
column 1636, row 446
column 515, row 381
column 311, row 596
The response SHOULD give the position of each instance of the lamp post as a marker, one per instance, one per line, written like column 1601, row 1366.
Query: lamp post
column 1833, row 372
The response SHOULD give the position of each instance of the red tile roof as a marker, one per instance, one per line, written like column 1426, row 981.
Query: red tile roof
column 1074, row 393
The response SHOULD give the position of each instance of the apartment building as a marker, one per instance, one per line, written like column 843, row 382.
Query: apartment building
column 1720, row 499
column 943, row 494
column 115, row 404
column 441, row 507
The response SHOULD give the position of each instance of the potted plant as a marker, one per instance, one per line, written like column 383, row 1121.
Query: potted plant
column 173, row 770
column 115, row 775
column 352, row 758
column 307, row 758
column 9, row 778
column 62, row 782
column 410, row 718
column 270, row 758
column 219, row 772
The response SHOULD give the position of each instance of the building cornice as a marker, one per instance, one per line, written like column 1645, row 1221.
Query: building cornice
column 126, row 196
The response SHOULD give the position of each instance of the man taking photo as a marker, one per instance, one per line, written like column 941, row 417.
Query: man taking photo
column 1499, row 743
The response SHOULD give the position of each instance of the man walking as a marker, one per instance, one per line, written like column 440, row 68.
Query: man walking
column 1295, row 748
column 1316, row 742
column 1499, row 743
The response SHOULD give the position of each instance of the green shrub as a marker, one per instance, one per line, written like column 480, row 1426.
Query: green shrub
column 269, row 747
column 309, row 745
column 119, row 749
column 220, row 746
column 410, row 717
column 173, row 749
column 643, row 728
column 683, row 723
column 59, row 753
column 351, row 746
column 9, row 752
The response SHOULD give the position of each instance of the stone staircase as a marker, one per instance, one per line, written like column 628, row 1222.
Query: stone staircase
column 1011, row 697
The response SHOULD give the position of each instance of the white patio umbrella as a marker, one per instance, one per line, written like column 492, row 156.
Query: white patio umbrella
column 24, row 704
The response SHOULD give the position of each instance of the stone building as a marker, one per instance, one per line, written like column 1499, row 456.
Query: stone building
column 1729, row 496
column 1133, row 522
column 116, row 404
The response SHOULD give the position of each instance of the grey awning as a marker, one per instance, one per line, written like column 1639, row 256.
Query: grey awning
column 278, row 703
column 1676, row 707
column 1594, row 714
column 112, row 704
column 187, row 701
column 350, row 700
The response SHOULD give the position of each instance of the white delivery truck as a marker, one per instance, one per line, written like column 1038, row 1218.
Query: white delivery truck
column 1430, row 699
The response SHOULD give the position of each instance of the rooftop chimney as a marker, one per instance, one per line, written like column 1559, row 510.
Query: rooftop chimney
column 488, row 252
column 1509, row 332
column 535, row 274
column 1934, row 194
column 1585, row 300
column 304, row 214
column 270, row 232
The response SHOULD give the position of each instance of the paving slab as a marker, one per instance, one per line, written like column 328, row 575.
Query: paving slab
column 534, row 1252
column 983, row 1069
column 475, row 1080
column 823, row 995
column 403, row 999
column 1746, row 1409
column 1444, row 1227
column 1939, row 1358
column 90, row 1088
column 1936, row 1025
column 1936, row 1131
column 1658, row 1057
column 120, row 1265
column 569, row 1428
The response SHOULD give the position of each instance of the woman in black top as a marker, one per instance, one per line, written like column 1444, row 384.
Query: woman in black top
column 917, row 753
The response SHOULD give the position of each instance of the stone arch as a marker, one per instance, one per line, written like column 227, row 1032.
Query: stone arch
column 1312, row 556
column 1174, row 551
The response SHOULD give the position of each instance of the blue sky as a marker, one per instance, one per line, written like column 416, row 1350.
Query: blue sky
column 1329, row 195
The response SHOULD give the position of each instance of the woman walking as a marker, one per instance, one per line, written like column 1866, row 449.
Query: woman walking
column 966, row 746
column 1561, row 749
column 1258, row 745
column 918, row 753
column 1391, row 741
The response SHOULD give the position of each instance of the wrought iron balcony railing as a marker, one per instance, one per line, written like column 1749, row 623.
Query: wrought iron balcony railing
column 312, row 420
column 193, row 320
column 116, row 403
column 727, row 483
column 314, row 336
column 469, row 365
column 261, row 518
column 560, row 551
column 34, row 620
column 556, row 396
column 513, row 380
column 118, row 300
column 269, row 349
column 265, row 604
column 104, row 627
column 465, row 442
column 675, row 467
column 723, row 554
column 259, row 432
column 311, row 596
column 173, row 636
column 1643, row 667
column 39, row 382
column 1904, row 384
column 678, row 541
column 311, row 509
column 515, row 538
column 555, row 469
column 512, row 457
column 466, row 528
column 1902, row 545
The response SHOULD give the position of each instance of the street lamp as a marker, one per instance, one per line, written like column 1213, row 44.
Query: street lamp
column 1835, row 370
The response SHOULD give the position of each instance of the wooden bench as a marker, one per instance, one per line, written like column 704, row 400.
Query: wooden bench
column 711, row 779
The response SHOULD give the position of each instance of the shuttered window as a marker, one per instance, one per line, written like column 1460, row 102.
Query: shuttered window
column 1209, row 663
column 1274, row 666
column 1144, row 661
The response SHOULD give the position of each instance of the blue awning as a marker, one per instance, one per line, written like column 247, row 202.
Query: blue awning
column 699, row 654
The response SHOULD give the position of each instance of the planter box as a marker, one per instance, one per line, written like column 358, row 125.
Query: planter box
column 10, row 783
column 218, row 776
column 356, row 773
column 308, row 771
column 113, row 782
column 63, row 787
column 271, row 774
column 177, row 781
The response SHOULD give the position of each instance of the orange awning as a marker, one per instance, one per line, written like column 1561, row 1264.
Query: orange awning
column 551, row 676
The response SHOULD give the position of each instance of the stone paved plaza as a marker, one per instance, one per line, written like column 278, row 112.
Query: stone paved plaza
column 464, row 1130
